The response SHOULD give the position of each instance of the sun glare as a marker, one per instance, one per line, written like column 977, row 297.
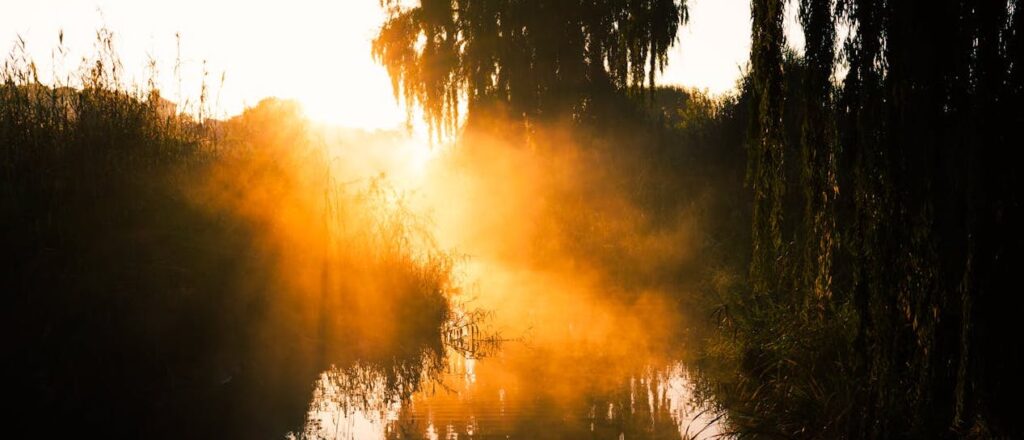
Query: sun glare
column 315, row 52
column 337, row 81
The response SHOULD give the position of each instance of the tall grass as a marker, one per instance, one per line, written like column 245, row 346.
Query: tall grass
column 144, row 296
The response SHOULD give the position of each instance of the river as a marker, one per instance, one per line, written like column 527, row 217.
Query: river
column 560, row 370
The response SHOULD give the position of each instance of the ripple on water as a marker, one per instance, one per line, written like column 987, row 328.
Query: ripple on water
column 518, row 393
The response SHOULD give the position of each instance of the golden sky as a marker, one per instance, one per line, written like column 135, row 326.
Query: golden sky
column 314, row 51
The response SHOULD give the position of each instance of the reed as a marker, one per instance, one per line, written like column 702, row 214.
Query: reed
column 139, row 301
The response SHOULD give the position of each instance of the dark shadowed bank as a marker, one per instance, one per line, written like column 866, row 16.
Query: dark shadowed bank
column 163, row 278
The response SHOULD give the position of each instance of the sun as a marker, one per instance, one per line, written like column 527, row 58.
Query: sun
column 351, row 107
column 337, row 80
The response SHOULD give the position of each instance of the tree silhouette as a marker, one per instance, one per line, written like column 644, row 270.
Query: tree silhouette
column 906, row 159
column 527, row 60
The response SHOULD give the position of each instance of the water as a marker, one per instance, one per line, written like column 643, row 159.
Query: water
column 512, row 389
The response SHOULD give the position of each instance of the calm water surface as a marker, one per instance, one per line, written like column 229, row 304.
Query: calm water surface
column 512, row 389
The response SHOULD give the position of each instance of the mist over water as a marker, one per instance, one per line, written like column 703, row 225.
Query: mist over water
column 343, row 283
column 545, row 339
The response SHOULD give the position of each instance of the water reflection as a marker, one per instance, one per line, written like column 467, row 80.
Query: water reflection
column 516, row 391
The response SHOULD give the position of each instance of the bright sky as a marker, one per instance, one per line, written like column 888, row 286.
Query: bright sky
column 715, row 46
column 317, row 52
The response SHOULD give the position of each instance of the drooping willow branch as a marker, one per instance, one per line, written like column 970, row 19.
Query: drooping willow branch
column 530, row 59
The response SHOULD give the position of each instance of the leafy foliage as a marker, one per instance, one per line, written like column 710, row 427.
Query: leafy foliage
column 525, row 59
column 901, row 251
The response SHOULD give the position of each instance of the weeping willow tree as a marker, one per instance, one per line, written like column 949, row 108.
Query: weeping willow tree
column 904, row 249
column 527, row 60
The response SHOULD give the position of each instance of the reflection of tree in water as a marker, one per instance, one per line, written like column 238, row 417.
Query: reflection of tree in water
column 655, row 402
column 433, row 392
column 360, row 399
column 357, row 400
column 466, row 334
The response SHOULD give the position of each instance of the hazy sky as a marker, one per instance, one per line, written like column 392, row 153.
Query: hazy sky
column 314, row 51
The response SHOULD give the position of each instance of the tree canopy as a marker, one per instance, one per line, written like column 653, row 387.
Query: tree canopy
column 527, row 59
